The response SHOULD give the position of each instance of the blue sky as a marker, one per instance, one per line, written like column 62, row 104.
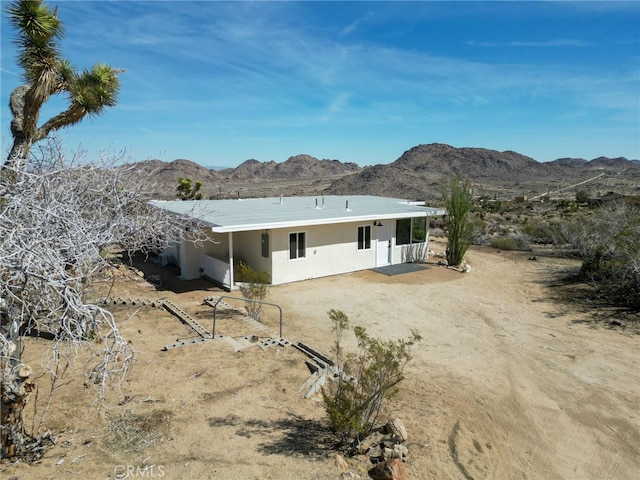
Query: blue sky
column 222, row 82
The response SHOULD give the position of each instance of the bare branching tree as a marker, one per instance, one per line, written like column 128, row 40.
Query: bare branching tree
column 608, row 243
column 58, row 215
column 56, row 222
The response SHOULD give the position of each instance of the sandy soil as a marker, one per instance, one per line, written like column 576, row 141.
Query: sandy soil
column 508, row 383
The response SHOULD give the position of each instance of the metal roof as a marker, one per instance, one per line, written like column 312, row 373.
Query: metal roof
column 285, row 212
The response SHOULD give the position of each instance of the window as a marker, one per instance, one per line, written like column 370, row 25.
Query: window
column 418, row 229
column 411, row 230
column 403, row 231
column 297, row 245
column 364, row 237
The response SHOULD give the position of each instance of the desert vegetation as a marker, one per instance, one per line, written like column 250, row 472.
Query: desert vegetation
column 457, row 197
column 603, row 236
column 366, row 381
column 60, row 216
column 67, row 219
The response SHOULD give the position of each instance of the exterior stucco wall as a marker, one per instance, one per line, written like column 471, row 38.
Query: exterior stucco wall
column 247, row 246
column 189, row 254
column 416, row 252
column 330, row 250
column 189, row 260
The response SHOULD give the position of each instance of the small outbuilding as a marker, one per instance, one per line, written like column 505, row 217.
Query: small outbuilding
column 299, row 238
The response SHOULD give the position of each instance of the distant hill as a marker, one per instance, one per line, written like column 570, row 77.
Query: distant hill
column 382, row 180
column 600, row 162
column 417, row 174
column 164, row 175
column 296, row 167
column 420, row 171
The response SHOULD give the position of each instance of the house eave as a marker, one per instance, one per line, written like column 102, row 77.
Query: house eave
column 323, row 221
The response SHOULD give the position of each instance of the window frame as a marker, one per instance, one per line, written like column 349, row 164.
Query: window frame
column 298, row 248
column 364, row 238
column 408, row 237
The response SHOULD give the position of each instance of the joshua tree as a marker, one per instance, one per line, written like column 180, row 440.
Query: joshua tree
column 56, row 219
column 188, row 190
column 38, row 33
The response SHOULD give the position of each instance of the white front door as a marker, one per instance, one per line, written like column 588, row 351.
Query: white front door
column 384, row 244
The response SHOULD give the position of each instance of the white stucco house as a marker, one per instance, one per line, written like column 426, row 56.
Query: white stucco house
column 299, row 238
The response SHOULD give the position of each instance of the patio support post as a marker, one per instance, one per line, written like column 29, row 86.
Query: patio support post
column 231, row 280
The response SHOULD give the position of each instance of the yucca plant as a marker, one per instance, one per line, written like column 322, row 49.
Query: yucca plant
column 38, row 32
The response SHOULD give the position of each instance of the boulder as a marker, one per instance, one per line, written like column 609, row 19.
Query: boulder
column 388, row 470
column 396, row 428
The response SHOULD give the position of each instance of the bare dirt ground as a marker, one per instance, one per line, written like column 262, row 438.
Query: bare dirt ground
column 508, row 383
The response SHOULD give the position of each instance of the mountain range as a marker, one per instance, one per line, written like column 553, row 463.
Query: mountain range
column 417, row 174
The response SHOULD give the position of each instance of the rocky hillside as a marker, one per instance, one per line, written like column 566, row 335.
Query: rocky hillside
column 417, row 174
column 163, row 176
column 296, row 167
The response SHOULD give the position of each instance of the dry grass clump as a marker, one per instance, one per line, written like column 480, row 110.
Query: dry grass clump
column 131, row 432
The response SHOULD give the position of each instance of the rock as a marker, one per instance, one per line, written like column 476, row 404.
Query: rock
column 370, row 442
column 22, row 371
column 350, row 476
column 341, row 463
column 388, row 470
column 401, row 450
column 396, row 428
column 389, row 454
column 397, row 451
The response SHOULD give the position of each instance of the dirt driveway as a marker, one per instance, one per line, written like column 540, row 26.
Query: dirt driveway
column 507, row 383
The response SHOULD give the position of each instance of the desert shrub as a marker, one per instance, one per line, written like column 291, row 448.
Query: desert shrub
column 437, row 232
column 608, row 242
column 540, row 231
column 254, row 287
column 582, row 196
column 367, row 380
column 136, row 432
column 479, row 230
column 514, row 242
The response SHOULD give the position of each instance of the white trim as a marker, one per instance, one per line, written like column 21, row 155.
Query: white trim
column 364, row 239
column 231, row 269
column 297, row 233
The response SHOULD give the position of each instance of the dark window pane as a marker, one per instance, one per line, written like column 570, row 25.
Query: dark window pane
column 301, row 245
column 367, row 237
column 403, row 231
column 418, row 229
column 292, row 245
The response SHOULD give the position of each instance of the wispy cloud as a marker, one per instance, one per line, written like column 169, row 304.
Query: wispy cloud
column 541, row 44
column 356, row 24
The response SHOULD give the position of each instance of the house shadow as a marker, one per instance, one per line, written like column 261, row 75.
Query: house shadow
column 167, row 277
column 292, row 435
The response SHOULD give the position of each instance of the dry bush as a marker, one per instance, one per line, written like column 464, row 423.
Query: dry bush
column 131, row 432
